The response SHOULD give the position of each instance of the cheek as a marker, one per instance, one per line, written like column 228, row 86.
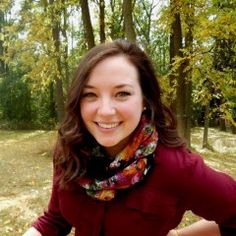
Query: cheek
column 85, row 111
column 132, row 112
column 133, row 107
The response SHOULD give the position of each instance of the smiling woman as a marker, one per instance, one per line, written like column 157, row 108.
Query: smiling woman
column 112, row 103
column 120, row 167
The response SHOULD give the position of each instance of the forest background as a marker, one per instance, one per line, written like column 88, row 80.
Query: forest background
column 192, row 45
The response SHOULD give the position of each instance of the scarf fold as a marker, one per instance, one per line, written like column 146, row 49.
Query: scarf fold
column 129, row 166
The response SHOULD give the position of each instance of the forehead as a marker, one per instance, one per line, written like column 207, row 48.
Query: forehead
column 114, row 69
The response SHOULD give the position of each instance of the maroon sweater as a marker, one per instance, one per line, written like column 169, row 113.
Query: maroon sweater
column 178, row 182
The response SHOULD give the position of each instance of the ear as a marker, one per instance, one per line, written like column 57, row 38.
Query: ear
column 144, row 104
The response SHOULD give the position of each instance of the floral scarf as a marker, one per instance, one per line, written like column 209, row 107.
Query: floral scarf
column 129, row 166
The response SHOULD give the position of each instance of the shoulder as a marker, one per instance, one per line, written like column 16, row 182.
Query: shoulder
column 185, row 166
column 176, row 158
column 173, row 167
column 186, row 173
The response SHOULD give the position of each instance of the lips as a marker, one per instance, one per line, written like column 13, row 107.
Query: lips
column 108, row 125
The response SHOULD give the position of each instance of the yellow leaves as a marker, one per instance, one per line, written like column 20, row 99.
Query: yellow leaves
column 227, row 114
column 207, row 20
column 168, row 89
column 224, row 26
column 42, row 72
column 217, row 23
column 1, row 36
column 201, row 94
column 5, row 5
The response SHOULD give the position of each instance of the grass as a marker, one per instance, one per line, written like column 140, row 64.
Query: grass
column 25, row 163
column 26, row 170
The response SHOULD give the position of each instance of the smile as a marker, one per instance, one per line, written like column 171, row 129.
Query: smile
column 108, row 125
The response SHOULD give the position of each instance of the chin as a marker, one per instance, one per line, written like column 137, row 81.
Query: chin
column 108, row 144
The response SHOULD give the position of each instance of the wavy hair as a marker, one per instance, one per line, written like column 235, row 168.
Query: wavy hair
column 71, row 153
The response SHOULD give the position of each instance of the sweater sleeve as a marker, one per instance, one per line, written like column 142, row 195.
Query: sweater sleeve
column 211, row 194
column 52, row 223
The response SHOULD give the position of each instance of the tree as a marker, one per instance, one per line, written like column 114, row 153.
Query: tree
column 64, row 31
column 2, row 64
column 88, row 29
column 3, row 48
column 177, row 77
column 102, row 21
column 143, row 13
column 188, row 52
column 182, row 21
column 41, row 46
column 224, row 60
column 15, row 99
column 55, row 14
column 215, row 56
column 127, row 10
column 114, row 20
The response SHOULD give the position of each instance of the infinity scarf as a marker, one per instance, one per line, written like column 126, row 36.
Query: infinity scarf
column 129, row 166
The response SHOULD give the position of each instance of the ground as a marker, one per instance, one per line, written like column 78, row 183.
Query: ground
column 26, row 170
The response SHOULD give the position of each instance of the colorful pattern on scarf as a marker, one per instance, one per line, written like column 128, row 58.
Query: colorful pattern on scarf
column 130, row 165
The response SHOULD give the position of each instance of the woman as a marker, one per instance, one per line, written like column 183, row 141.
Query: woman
column 120, row 167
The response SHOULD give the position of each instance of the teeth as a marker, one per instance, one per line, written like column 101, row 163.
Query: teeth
column 108, row 125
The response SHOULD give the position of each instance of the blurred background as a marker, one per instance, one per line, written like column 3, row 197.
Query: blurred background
column 191, row 43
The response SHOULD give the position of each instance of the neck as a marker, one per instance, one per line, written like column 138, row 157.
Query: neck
column 114, row 150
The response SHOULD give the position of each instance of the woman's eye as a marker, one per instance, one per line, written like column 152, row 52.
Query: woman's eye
column 88, row 95
column 123, row 94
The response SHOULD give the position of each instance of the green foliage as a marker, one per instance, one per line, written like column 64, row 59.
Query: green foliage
column 114, row 20
column 151, row 34
column 212, row 57
column 14, row 100
column 30, row 62
column 20, row 108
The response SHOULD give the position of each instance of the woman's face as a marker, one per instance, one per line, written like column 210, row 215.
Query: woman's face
column 112, row 103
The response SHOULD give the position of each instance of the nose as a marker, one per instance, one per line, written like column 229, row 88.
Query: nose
column 106, row 107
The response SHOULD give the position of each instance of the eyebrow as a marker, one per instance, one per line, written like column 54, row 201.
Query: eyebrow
column 117, row 86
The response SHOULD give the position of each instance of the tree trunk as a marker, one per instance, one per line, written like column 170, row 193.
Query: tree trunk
column 127, row 9
column 2, row 63
column 233, row 129
column 59, row 96
column 182, row 103
column 65, row 38
column 188, row 112
column 222, row 124
column 205, row 143
column 52, row 105
column 88, row 29
column 102, row 20
column 188, row 73
column 115, row 22
column 178, row 105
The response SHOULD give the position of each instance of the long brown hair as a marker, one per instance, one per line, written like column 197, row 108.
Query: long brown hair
column 72, row 149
